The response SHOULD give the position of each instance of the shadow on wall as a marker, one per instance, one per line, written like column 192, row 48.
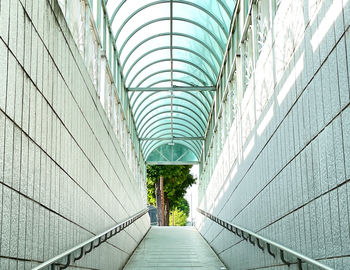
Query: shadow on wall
column 286, row 181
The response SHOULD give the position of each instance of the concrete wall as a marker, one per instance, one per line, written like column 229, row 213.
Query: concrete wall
column 63, row 177
column 287, row 175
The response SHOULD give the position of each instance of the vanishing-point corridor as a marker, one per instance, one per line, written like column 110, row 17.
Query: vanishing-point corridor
column 255, row 92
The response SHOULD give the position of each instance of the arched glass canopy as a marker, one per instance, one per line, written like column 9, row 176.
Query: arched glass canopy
column 170, row 53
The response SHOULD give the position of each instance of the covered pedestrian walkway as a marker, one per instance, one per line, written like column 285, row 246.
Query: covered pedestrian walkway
column 254, row 92
column 173, row 248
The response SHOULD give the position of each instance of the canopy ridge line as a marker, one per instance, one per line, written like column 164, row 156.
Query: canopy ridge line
column 174, row 88
column 171, row 66
column 174, row 138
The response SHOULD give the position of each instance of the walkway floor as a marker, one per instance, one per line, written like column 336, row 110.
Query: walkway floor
column 181, row 248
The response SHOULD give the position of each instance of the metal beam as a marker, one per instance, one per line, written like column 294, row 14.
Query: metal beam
column 206, row 108
column 198, row 80
column 174, row 88
column 188, row 119
column 163, row 71
column 187, row 144
column 194, row 146
column 174, row 138
column 172, row 162
column 147, row 66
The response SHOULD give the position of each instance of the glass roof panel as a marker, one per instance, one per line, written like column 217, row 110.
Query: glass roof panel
column 135, row 78
column 201, row 63
column 143, row 47
column 135, row 64
column 191, row 41
column 170, row 53
column 172, row 154
column 205, row 17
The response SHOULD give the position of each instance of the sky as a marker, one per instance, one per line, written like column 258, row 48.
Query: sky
column 192, row 194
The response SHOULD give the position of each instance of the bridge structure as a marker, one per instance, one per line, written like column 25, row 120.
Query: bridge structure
column 254, row 92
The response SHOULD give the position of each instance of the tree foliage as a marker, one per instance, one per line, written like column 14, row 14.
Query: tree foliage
column 180, row 218
column 183, row 205
column 177, row 179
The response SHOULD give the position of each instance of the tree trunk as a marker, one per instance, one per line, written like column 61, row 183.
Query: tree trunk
column 167, row 211
column 159, row 204
column 162, row 199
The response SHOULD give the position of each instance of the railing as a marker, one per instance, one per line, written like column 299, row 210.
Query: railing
column 74, row 254
column 265, row 244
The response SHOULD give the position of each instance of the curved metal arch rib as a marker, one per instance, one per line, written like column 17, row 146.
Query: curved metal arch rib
column 224, row 6
column 160, row 72
column 210, row 33
column 221, row 25
column 138, row 124
column 139, row 93
column 183, row 61
column 153, row 124
column 133, row 101
column 164, row 71
column 175, row 59
column 178, row 127
column 195, row 150
column 144, row 143
column 184, row 143
column 200, row 131
column 169, row 80
column 216, row 57
column 176, row 133
column 155, row 145
column 210, row 65
column 196, row 145
column 207, row 108
column 162, row 81
column 205, row 113
column 168, row 133
column 205, row 97
column 151, row 64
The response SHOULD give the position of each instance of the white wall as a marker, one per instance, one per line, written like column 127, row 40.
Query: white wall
column 63, row 175
column 285, row 167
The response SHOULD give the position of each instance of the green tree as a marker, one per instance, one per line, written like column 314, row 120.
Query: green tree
column 177, row 179
column 183, row 205
column 178, row 217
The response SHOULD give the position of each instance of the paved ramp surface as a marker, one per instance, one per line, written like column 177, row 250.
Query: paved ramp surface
column 181, row 248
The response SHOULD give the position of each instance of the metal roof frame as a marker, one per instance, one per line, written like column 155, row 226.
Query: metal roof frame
column 211, row 34
column 216, row 57
column 167, row 105
column 198, row 128
column 223, row 27
column 164, row 112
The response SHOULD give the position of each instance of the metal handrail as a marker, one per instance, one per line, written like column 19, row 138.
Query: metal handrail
column 87, row 246
column 249, row 236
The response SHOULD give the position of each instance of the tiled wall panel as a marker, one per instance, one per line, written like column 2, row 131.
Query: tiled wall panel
column 290, row 180
column 63, row 176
